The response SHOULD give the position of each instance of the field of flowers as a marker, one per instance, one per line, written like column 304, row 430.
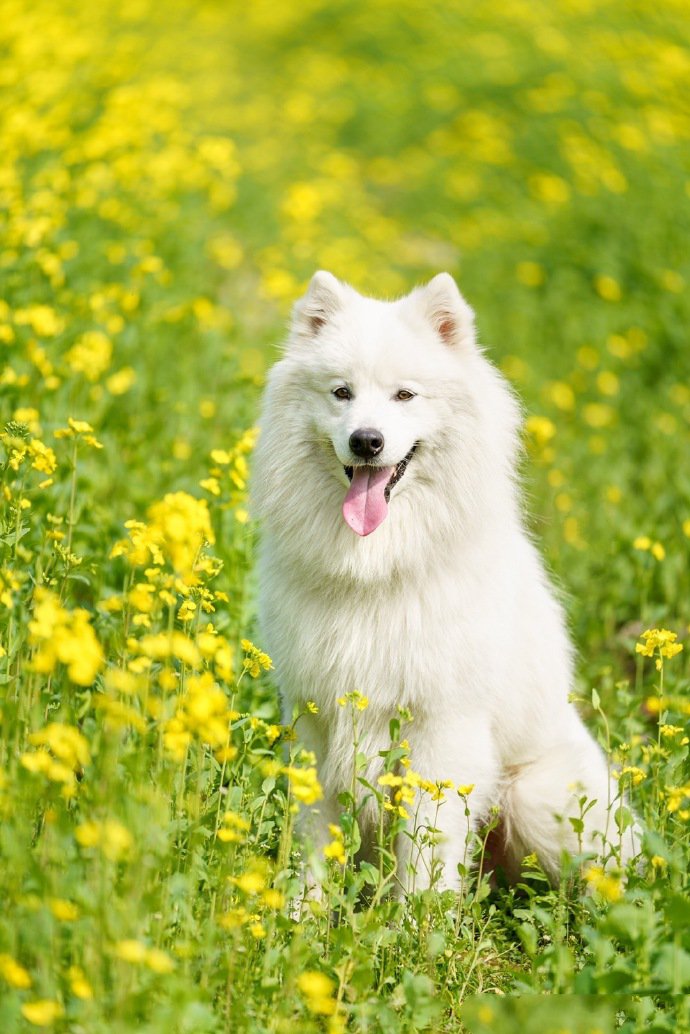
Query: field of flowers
column 170, row 177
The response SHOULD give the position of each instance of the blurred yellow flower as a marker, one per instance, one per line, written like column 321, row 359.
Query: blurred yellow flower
column 13, row 973
column 318, row 990
column 43, row 1012
column 608, row 886
column 62, row 636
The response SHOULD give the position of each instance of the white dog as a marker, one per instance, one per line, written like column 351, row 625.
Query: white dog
column 394, row 561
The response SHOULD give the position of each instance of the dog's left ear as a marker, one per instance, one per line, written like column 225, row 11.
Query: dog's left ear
column 448, row 312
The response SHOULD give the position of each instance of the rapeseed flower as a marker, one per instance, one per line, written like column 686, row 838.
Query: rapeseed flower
column 178, row 528
column 112, row 838
column 255, row 660
column 65, row 637
column 304, row 784
column 660, row 641
column 43, row 1012
column 336, row 848
column 79, row 985
column 318, row 991
column 607, row 885
column 13, row 973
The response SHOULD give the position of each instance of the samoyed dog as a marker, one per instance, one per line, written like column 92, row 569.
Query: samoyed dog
column 394, row 561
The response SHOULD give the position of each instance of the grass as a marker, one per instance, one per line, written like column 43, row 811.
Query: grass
column 171, row 180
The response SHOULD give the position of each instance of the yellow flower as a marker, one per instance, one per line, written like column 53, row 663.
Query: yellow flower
column 114, row 840
column 178, row 528
column 660, row 639
column 336, row 849
column 540, row 429
column 608, row 288
column 273, row 898
column 249, row 882
column 304, row 784
column 356, row 699
column 318, row 992
column 130, row 951
column 120, row 382
column 13, row 973
column 675, row 797
column 67, row 911
column 608, row 886
column 158, row 961
column 42, row 456
column 79, row 985
column 234, row 826
column 91, row 354
column 531, row 274
column 255, row 659
column 634, row 774
column 78, row 429
column 42, row 1013
column 62, row 636
column 65, row 741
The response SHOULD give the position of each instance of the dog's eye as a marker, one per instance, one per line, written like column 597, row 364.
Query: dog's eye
column 404, row 395
column 342, row 393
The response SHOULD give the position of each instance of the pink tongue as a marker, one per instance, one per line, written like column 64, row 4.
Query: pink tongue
column 365, row 505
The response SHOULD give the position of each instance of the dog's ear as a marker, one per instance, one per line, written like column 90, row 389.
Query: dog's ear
column 448, row 312
column 324, row 297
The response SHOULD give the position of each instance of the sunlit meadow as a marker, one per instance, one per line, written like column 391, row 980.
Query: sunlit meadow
column 170, row 176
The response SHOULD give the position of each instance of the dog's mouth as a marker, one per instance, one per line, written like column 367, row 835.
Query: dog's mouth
column 366, row 503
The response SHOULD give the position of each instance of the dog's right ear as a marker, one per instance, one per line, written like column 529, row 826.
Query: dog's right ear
column 323, row 299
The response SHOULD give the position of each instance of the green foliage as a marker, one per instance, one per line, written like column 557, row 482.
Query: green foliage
column 171, row 178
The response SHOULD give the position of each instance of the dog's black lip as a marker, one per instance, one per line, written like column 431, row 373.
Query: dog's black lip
column 400, row 469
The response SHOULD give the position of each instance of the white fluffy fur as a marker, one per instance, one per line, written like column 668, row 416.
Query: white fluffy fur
column 445, row 608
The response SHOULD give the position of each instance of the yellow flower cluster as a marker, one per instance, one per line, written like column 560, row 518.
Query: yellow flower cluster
column 404, row 790
column 631, row 774
column 229, row 474
column 203, row 712
column 42, row 1013
column 355, row 699
column 304, row 784
column 112, row 838
column 139, row 954
column 178, row 528
column 90, row 355
column 60, row 636
column 233, row 828
column 19, row 447
column 336, row 848
column 255, row 659
column 318, row 992
column 661, row 641
column 13, row 973
column 678, row 801
column 66, row 753
column 609, row 886
column 644, row 544
column 79, row 431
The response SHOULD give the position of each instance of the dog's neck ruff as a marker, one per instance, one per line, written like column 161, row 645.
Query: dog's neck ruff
column 366, row 503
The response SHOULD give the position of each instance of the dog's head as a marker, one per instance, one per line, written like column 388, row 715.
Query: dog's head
column 378, row 375
column 385, row 414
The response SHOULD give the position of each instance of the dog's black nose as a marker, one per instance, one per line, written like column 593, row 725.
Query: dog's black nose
column 366, row 442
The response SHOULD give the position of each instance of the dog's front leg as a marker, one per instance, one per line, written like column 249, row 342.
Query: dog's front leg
column 460, row 751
